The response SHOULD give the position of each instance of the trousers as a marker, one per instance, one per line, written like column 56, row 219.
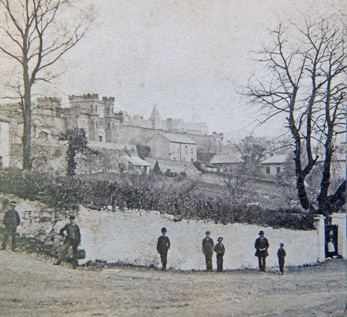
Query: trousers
column 10, row 231
column 65, row 249
column 219, row 262
column 281, row 264
column 163, row 258
column 262, row 263
column 208, row 259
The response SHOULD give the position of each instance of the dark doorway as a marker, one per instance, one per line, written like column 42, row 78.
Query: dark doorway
column 331, row 240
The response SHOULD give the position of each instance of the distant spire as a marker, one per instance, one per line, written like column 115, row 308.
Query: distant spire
column 155, row 113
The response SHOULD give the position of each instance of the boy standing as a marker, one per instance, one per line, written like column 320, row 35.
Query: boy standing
column 163, row 246
column 281, row 253
column 220, row 250
column 207, row 250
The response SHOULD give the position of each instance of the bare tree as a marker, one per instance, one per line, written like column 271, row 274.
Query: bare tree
column 35, row 34
column 308, row 85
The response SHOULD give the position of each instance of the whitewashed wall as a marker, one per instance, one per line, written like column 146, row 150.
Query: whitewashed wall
column 131, row 237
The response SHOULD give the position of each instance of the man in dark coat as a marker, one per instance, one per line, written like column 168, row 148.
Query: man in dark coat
column 11, row 222
column 207, row 250
column 163, row 246
column 281, row 253
column 220, row 250
column 261, row 245
column 73, row 239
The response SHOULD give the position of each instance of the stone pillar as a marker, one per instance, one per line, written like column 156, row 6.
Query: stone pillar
column 319, row 222
column 340, row 219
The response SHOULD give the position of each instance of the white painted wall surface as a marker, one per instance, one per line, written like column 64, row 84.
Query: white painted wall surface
column 131, row 237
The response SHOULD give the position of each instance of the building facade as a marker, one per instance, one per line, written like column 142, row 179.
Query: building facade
column 173, row 147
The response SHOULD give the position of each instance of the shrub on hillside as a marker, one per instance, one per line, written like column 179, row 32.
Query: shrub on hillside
column 147, row 192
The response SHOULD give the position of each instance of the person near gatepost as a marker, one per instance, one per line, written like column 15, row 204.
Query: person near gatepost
column 72, row 239
column 207, row 250
column 11, row 222
column 281, row 253
column 261, row 245
column 220, row 250
column 163, row 247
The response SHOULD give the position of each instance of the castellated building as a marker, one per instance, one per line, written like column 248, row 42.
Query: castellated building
column 170, row 139
column 96, row 117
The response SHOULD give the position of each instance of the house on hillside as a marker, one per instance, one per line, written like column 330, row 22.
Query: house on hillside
column 274, row 165
column 4, row 143
column 227, row 162
column 173, row 146
column 135, row 164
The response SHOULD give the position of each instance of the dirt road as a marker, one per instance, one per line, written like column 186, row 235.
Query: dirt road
column 32, row 286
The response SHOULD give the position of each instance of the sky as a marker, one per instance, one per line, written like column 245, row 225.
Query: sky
column 190, row 58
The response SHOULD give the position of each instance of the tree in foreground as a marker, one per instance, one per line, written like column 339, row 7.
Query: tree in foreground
column 305, row 80
column 35, row 34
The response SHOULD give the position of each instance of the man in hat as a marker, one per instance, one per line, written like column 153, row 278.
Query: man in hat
column 73, row 239
column 207, row 250
column 220, row 250
column 11, row 222
column 261, row 245
column 163, row 246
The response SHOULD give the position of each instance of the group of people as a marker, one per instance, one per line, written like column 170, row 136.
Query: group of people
column 71, row 232
column 208, row 248
column 72, row 235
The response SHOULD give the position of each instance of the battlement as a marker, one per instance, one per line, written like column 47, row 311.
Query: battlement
column 108, row 99
column 84, row 97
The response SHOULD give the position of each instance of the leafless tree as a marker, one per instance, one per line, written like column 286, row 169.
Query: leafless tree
column 307, row 83
column 35, row 34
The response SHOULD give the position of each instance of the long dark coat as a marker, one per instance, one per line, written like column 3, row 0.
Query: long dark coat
column 207, row 246
column 261, row 244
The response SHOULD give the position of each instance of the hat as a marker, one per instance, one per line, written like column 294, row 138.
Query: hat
column 72, row 217
column 208, row 232
column 13, row 203
column 261, row 232
column 163, row 229
column 220, row 238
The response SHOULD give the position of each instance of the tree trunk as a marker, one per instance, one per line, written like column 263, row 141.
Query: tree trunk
column 26, row 138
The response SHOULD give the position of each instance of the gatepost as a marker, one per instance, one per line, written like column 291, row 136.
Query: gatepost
column 340, row 219
column 319, row 222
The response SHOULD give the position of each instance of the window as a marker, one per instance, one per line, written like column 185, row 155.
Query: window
column 186, row 147
column 268, row 170
column 192, row 150
column 108, row 110
column 278, row 169
column 96, row 108
column 91, row 108
column 100, row 138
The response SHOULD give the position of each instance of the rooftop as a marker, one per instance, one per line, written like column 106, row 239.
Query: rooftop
column 136, row 161
column 225, row 159
column 276, row 159
column 178, row 138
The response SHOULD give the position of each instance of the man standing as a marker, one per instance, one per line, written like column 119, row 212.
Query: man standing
column 220, row 250
column 261, row 245
column 207, row 250
column 73, row 239
column 11, row 222
column 163, row 246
